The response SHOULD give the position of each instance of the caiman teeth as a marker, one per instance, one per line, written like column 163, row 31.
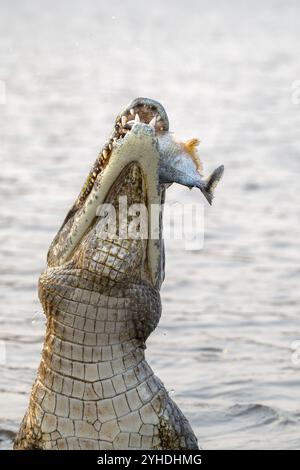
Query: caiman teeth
column 105, row 154
column 128, row 124
column 132, row 112
column 152, row 123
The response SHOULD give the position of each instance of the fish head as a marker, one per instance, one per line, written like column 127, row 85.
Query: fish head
column 179, row 162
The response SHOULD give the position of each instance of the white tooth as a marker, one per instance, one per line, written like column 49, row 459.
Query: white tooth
column 152, row 122
column 132, row 112
column 105, row 154
column 137, row 118
column 158, row 118
column 110, row 146
column 123, row 120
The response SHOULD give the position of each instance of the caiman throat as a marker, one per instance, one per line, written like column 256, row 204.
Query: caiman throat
column 100, row 294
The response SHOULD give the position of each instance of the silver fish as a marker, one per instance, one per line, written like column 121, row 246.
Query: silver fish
column 178, row 165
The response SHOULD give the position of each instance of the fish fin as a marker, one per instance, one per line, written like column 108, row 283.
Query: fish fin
column 190, row 146
column 211, row 183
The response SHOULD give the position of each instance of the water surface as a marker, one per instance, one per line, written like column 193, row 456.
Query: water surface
column 224, row 71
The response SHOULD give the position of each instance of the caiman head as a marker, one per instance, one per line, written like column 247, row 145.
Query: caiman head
column 139, row 161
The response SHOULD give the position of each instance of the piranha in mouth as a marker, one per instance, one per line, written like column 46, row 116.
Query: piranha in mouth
column 94, row 387
column 180, row 163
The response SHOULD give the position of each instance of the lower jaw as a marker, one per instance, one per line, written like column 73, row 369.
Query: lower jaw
column 140, row 147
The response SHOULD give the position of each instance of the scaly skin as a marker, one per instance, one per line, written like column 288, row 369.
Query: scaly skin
column 94, row 387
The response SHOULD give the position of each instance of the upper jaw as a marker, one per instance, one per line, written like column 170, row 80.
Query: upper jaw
column 146, row 110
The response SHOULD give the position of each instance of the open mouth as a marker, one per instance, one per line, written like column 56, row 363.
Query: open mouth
column 140, row 110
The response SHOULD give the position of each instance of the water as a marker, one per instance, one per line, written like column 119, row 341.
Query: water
column 224, row 72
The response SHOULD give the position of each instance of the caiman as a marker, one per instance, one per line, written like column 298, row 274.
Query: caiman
column 100, row 293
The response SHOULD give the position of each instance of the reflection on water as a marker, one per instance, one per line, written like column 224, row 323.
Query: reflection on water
column 224, row 73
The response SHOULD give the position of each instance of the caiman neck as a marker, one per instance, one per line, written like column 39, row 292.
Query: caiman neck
column 95, row 338
column 98, row 366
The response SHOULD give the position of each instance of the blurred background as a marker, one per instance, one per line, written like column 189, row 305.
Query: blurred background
column 226, row 72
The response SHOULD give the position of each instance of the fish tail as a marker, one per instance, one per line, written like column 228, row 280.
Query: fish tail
column 211, row 183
